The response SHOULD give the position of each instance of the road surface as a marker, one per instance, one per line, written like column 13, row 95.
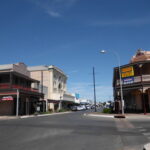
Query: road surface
column 73, row 131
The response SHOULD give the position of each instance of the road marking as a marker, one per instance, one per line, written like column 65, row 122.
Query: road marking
column 43, row 115
column 147, row 134
column 94, row 115
column 123, row 124
column 142, row 130
column 139, row 127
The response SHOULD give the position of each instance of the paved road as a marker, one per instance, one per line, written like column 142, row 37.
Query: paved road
column 142, row 125
column 72, row 131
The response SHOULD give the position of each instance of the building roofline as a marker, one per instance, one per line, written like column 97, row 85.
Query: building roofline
column 20, row 74
column 135, row 63
column 57, row 69
column 37, row 68
column 45, row 68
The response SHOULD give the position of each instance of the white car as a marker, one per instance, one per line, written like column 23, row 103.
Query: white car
column 88, row 107
column 81, row 107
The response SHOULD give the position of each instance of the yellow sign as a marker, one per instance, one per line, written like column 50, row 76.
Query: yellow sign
column 127, row 72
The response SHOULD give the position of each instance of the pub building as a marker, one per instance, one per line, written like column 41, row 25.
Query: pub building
column 19, row 93
column 135, row 78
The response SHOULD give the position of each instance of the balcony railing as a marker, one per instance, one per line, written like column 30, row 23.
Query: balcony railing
column 7, row 86
column 137, row 79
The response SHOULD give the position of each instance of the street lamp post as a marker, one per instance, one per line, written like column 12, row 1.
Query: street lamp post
column 143, row 99
column 121, row 91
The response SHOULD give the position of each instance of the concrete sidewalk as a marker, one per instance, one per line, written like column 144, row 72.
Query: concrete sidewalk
column 31, row 116
column 8, row 117
column 127, row 115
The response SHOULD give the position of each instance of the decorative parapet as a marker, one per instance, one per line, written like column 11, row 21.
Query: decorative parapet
column 141, row 55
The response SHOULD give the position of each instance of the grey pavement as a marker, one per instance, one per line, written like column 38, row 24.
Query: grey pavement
column 72, row 131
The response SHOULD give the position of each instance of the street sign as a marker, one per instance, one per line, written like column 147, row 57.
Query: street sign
column 7, row 98
column 128, row 80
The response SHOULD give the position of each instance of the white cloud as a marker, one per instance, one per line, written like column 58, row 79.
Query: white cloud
column 103, row 93
column 73, row 71
column 126, row 22
column 54, row 8
column 53, row 14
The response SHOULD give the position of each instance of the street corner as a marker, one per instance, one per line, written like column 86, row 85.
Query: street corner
column 138, row 116
column 119, row 116
column 146, row 146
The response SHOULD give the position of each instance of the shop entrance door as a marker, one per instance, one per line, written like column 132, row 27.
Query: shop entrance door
column 146, row 102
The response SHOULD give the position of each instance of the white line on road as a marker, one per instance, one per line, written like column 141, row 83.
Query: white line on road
column 44, row 115
column 142, row 130
column 147, row 134
column 94, row 115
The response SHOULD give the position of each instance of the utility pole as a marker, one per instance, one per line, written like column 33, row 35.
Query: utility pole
column 94, row 88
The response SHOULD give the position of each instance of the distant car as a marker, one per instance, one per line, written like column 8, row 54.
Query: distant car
column 84, row 107
column 93, row 106
column 88, row 107
column 74, row 108
column 107, row 106
column 81, row 107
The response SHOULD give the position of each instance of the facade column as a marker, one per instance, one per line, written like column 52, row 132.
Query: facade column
column 60, row 105
column 27, row 106
column 46, row 105
column 17, row 103
column 148, row 92
column 10, row 79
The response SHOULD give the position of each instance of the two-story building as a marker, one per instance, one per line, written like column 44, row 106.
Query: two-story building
column 18, row 88
column 135, row 78
column 53, row 83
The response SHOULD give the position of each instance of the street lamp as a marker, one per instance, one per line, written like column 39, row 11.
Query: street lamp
column 143, row 99
column 121, row 91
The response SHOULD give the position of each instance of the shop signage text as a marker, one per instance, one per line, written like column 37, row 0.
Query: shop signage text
column 127, row 72
column 128, row 80
column 7, row 98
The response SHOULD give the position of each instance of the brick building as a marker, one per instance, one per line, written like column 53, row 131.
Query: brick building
column 135, row 82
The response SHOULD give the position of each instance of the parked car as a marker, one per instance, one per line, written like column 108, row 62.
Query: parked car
column 81, row 107
column 88, row 107
column 84, row 107
column 93, row 106
column 74, row 108
column 107, row 106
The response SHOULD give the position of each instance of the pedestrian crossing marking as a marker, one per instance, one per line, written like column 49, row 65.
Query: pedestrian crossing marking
column 147, row 134
column 142, row 130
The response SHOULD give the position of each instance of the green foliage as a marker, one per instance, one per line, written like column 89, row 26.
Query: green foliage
column 63, row 110
column 107, row 110
column 48, row 112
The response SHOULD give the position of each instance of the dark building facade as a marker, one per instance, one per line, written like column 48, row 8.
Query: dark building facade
column 135, row 78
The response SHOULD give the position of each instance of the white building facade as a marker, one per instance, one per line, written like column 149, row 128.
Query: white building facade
column 53, row 83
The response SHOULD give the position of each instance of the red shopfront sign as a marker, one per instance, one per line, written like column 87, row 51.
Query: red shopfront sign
column 7, row 98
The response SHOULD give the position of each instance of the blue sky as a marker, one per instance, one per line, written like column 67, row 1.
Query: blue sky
column 70, row 33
